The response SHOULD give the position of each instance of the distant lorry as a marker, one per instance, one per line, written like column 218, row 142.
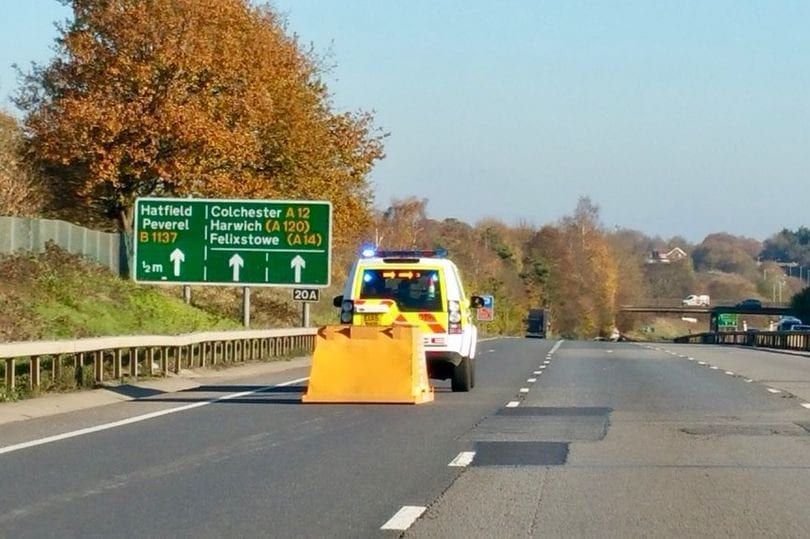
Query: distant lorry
column 536, row 323
column 696, row 300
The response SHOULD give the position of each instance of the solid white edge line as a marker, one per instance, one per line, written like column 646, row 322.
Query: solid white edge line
column 404, row 518
column 463, row 459
column 513, row 404
column 772, row 390
column 138, row 418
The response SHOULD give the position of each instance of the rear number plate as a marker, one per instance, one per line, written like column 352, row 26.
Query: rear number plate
column 371, row 319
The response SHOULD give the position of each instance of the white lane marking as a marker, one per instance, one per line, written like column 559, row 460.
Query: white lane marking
column 546, row 362
column 772, row 390
column 139, row 418
column 463, row 459
column 513, row 404
column 531, row 380
column 730, row 373
column 524, row 389
column 609, row 351
column 690, row 358
column 681, row 355
column 748, row 380
column 537, row 372
column 491, row 350
column 714, row 368
column 556, row 346
column 541, row 367
column 404, row 518
column 806, row 405
column 701, row 362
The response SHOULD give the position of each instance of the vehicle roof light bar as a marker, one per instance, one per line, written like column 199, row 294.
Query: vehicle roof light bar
column 424, row 253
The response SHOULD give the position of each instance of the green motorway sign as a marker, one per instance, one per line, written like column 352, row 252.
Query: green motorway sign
column 727, row 320
column 233, row 242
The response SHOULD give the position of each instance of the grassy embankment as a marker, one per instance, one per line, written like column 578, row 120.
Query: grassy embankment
column 55, row 295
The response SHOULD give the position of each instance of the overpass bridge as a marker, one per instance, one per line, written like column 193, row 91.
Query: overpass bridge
column 673, row 308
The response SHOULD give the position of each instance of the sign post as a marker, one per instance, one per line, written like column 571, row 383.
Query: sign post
column 281, row 243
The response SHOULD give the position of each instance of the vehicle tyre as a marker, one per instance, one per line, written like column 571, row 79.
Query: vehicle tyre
column 462, row 379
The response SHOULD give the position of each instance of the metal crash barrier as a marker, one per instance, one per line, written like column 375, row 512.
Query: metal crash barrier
column 369, row 364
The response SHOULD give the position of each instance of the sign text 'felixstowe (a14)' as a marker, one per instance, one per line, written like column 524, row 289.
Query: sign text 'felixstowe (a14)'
column 233, row 242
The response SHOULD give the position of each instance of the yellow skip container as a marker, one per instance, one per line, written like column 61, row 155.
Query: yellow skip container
column 380, row 364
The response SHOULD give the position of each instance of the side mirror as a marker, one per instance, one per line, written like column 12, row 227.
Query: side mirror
column 476, row 302
column 337, row 301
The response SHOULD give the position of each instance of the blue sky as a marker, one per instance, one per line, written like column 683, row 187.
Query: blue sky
column 675, row 117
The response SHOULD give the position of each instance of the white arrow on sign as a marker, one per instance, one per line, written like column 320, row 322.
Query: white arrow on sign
column 298, row 263
column 177, row 257
column 236, row 262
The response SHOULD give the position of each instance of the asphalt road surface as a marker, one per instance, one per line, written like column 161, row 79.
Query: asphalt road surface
column 581, row 439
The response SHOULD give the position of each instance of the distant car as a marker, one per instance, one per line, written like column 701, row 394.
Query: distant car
column 749, row 303
column 696, row 300
column 788, row 323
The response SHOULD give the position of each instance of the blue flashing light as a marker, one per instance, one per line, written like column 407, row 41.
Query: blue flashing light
column 367, row 277
column 368, row 251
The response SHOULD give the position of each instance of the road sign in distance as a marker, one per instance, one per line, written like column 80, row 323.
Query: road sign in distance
column 310, row 295
column 233, row 242
column 487, row 312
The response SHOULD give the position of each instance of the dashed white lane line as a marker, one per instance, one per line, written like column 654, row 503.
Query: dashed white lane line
column 404, row 518
column 690, row 358
column 537, row 372
column 609, row 351
column 714, row 367
column 730, row 373
column 546, row 362
column 463, row 459
column 531, row 380
column 513, row 404
column 772, row 390
column 806, row 405
column 748, row 380
column 524, row 389
column 139, row 418
column 701, row 362
column 490, row 350
column 541, row 367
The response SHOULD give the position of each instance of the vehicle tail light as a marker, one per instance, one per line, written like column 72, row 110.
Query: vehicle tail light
column 454, row 317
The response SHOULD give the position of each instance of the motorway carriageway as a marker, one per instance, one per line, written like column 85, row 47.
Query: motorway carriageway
column 557, row 440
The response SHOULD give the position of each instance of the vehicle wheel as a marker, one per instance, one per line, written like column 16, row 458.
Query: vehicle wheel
column 462, row 380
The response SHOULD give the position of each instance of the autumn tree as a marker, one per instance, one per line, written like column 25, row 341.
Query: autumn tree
column 727, row 253
column 402, row 224
column 191, row 97
column 21, row 192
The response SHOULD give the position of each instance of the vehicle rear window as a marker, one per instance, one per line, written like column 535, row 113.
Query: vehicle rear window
column 413, row 290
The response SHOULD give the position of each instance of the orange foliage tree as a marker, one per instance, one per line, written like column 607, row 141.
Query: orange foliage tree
column 191, row 97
